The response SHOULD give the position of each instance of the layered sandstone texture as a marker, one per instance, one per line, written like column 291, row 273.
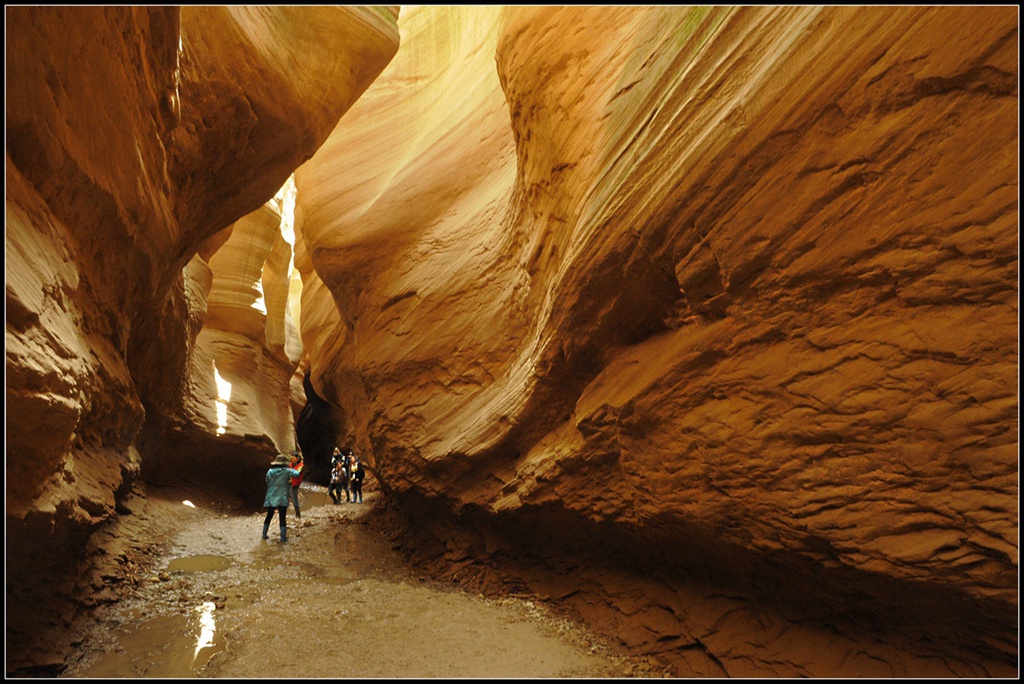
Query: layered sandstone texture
column 142, row 146
column 708, row 313
column 243, row 358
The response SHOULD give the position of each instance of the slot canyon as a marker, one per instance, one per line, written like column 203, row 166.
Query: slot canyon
column 699, row 324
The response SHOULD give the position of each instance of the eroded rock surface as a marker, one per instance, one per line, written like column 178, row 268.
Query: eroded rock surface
column 709, row 313
column 698, row 322
column 134, row 136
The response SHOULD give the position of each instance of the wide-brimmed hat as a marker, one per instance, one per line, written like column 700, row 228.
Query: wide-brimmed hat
column 280, row 459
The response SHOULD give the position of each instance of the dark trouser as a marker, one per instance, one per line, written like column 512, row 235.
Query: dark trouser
column 357, row 490
column 294, row 496
column 335, row 491
column 282, row 512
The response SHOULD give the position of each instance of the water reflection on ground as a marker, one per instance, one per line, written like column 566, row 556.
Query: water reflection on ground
column 177, row 631
column 171, row 646
column 200, row 563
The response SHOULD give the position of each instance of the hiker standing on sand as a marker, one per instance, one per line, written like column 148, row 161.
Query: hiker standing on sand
column 338, row 482
column 278, row 487
column 296, row 465
column 339, row 458
column 357, row 474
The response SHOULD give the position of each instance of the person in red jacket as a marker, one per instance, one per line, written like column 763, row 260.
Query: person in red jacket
column 296, row 464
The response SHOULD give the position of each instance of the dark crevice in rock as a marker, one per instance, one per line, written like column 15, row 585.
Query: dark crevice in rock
column 320, row 427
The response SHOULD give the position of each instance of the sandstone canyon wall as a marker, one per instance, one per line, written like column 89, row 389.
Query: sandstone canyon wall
column 700, row 322
column 143, row 144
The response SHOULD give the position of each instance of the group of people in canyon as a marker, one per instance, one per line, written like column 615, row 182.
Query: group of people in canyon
column 285, row 475
column 347, row 476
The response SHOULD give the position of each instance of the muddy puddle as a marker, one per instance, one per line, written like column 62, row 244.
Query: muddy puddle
column 168, row 646
column 171, row 628
column 199, row 563
column 174, row 646
column 335, row 601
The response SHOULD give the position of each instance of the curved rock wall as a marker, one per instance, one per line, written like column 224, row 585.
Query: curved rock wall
column 236, row 399
column 381, row 267
column 135, row 135
column 700, row 322
column 720, row 300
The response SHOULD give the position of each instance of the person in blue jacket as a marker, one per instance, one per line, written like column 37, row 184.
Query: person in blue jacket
column 278, row 487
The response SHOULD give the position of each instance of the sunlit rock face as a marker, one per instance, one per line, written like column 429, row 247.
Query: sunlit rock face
column 135, row 136
column 701, row 322
column 241, row 359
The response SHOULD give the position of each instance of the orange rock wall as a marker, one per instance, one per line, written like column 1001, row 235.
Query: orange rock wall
column 135, row 136
column 699, row 322
column 723, row 299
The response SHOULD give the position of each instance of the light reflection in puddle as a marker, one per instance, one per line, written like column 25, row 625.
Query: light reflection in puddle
column 207, row 629
column 166, row 647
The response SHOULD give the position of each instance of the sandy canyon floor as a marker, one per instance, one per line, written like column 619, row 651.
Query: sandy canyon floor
column 334, row 601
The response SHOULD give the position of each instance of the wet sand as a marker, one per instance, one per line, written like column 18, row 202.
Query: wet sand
column 334, row 601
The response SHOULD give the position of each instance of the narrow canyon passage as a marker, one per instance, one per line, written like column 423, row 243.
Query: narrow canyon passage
column 334, row 601
column 700, row 324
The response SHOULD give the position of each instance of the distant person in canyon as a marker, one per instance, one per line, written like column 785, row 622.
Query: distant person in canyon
column 357, row 475
column 339, row 481
column 296, row 465
column 339, row 457
column 278, row 487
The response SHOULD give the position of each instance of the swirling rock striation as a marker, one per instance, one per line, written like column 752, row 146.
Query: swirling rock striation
column 700, row 321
